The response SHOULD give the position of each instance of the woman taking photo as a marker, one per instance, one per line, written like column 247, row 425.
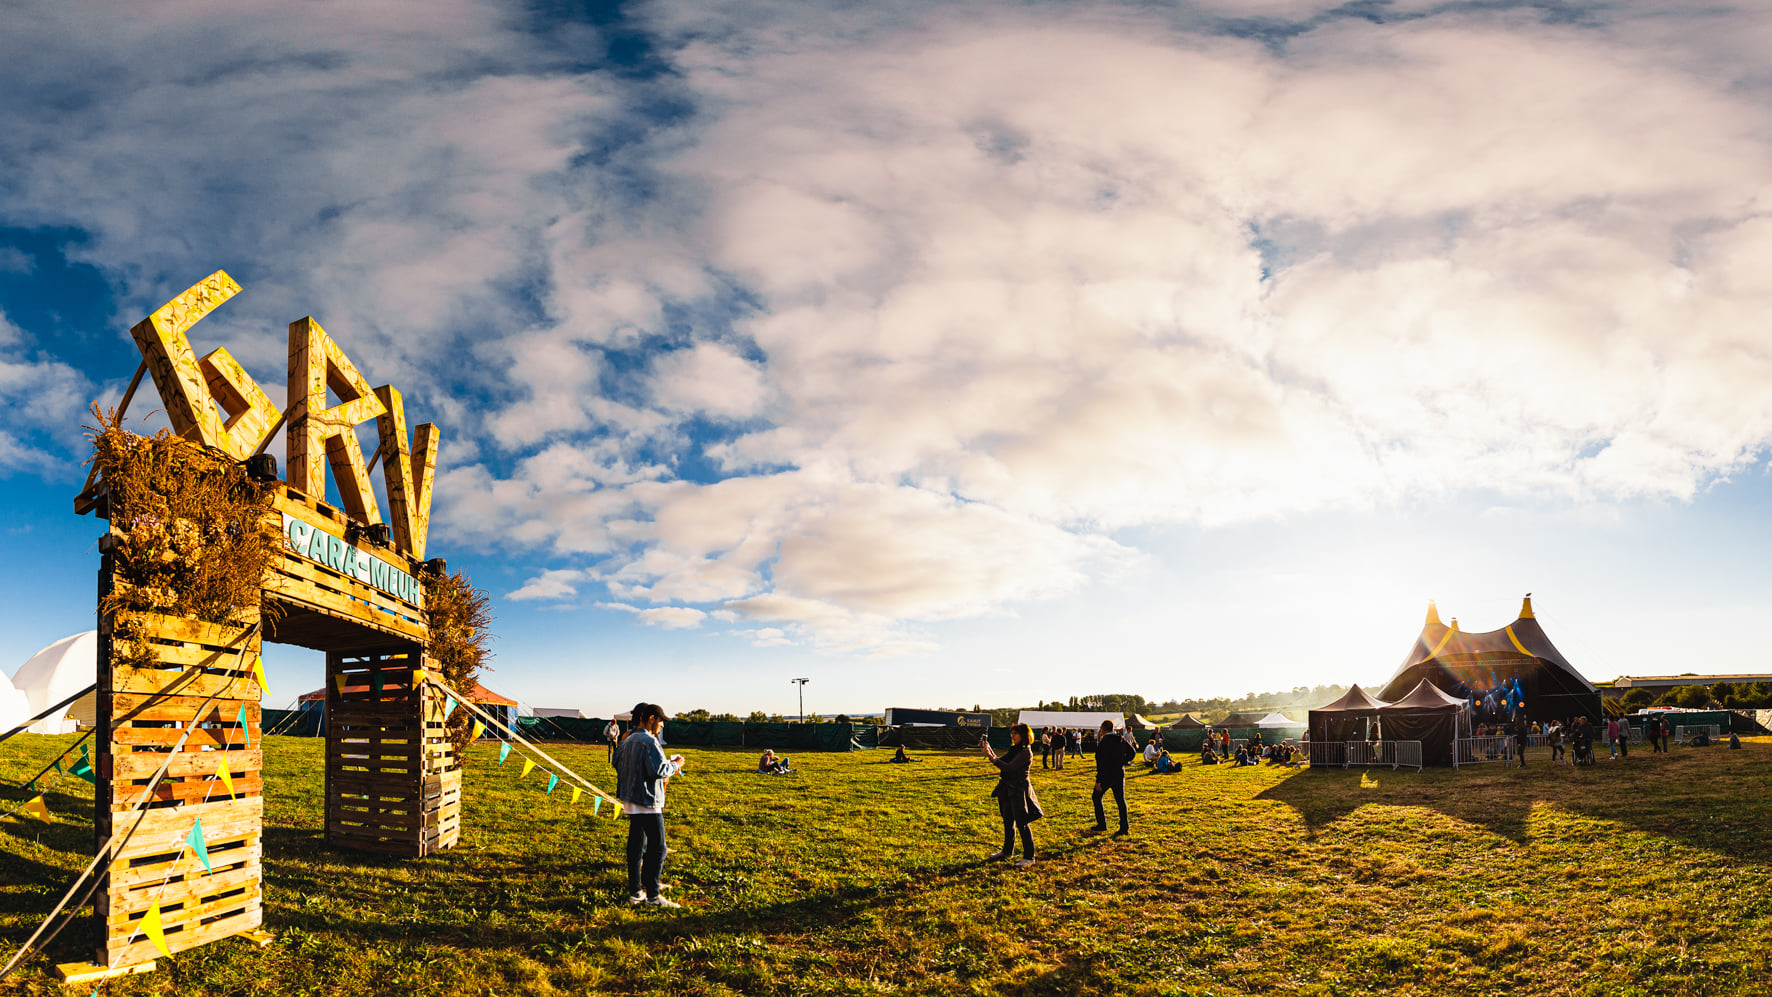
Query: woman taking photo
column 641, row 771
column 1015, row 794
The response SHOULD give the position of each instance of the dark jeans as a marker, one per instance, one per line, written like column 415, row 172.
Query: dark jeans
column 1045, row 756
column 1119, row 791
column 646, row 852
column 1027, row 838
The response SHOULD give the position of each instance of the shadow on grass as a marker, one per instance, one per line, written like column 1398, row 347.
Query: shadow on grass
column 1708, row 798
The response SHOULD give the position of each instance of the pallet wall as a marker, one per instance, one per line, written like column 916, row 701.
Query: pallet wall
column 197, row 671
column 391, row 780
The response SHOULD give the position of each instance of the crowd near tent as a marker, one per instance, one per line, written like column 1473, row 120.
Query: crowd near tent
column 52, row 675
column 1499, row 672
column 1075, row 719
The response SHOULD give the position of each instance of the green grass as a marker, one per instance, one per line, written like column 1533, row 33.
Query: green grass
column 858, row 877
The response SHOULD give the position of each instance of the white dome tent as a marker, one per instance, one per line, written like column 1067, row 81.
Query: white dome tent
column 13, row 706
column 52, row 675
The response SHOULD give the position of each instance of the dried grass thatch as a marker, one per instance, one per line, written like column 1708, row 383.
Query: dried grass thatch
column 460, row 616
column 194, row 534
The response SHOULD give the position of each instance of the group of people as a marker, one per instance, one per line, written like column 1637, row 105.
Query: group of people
column 1019, row 806
column 1058, row 743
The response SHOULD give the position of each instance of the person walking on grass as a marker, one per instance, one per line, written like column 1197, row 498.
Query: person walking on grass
column 1112, row 752
column 612, row 734
column 1016, row 801
column 641, row 772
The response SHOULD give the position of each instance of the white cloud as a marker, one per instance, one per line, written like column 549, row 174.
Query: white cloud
column 556, row 584
column 671, row 617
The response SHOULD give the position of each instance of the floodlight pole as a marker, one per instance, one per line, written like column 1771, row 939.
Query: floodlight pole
column 802, row 684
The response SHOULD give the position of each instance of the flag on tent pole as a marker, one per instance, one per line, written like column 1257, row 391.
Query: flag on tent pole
column 226, row 777
column 528, row 767
column 198, row 845
column 151, row 928
column 504, row 750
column 553, row 780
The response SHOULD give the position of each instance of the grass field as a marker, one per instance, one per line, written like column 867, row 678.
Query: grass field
column 854, row 876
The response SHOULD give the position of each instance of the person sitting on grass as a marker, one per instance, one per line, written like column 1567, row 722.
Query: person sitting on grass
column 901, row 758
column 771, row 765
column 1734, row 741
column 1242, row 756
column 1164, row 763
column 1151, row 752
column 1207, row 755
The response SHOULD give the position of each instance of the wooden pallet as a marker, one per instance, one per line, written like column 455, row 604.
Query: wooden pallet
column 181, row 671
column 391, row 781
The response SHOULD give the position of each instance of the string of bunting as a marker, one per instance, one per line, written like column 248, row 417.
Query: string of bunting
column 456, row 701
column 37, row 806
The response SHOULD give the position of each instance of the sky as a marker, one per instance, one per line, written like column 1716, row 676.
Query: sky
column 946, row 354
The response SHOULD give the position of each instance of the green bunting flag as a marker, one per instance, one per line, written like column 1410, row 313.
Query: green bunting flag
column 83, row 769
column 504, row 751
column 596, row 806
column 553, row 780
column 452, row 707
column 57, row 764
column 245, row 731
column 198, row 845
column 375, row 680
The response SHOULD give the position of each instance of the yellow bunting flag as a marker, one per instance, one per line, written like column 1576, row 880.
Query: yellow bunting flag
column 420, row 676
column 36, row 807
column 528, row 767
column 226, row 777
column 151, row 928
column 474, row 735
column 339, row 680
column 575, row 792
column 258, row 672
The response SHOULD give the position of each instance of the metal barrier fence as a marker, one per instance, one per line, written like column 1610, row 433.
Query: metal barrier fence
column 1366, row 754
column 1683, row 734
column 1480, row 750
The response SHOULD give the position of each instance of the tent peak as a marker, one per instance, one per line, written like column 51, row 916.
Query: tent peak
column 1526, row 607
column 1433, row 615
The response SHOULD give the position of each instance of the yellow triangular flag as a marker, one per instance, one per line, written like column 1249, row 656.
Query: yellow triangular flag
column 151, row 928
column 474, row 735
column 222, row 773
column 420, row 676
column 528, row 767
column 36, row 807
column 258, row 672
column 575, row 792
column 339, row 680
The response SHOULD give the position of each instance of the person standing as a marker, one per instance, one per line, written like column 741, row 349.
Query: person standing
column 1016, row 802
column 1046, row 749
column 1076, row 743
column 1520, row 730
column 641, row 772
column 1112, row 752
column 1612, row 735
column 1058, row 746
column 1623, row 737
column 612, row 734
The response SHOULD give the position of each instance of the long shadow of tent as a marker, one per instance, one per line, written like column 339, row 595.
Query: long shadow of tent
column 1708, row 798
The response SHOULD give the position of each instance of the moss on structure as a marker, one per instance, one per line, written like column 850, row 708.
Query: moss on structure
column 194, row 535
column 460, row 618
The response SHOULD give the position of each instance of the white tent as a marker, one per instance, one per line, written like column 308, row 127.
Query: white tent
column 1277, row 720
column 1055, row 718
column 14, row 707
column 55, row 673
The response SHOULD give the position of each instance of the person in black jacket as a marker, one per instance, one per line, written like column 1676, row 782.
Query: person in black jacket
column 1016, row 801
column 1112, row 752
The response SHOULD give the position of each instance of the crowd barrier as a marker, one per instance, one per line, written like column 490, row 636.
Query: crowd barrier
column 1365, row 754
column 1684, row 734
column 1480, row 750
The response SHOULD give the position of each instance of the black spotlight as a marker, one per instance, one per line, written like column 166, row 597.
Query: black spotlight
column 353, row 532
column 437, row 567
column 380, row 534
column 262, row 467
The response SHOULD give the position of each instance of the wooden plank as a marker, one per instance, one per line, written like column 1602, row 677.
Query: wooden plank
column 185, row 900
column 182, row 628
column 296, row 566
column 185, row 764
column 218, row 819
column 189, row 655
column 247, row 920
column 156, row 681
column 136, row 708
column 92, row 972
column 327, row 600
column 197, row 739
column 201, row 790
column 221, row 859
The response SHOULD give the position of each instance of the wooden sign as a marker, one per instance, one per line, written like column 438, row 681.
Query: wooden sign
column 214, row 401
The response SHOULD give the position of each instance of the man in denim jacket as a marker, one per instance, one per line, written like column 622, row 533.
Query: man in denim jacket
column 641, row 772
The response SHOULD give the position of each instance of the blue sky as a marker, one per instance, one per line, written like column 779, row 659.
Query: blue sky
column 948, row 353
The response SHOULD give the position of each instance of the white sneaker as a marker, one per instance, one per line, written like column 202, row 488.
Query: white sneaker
column 660, row 901
column 997, row 856
column 636, row 898
column 1024, row 863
